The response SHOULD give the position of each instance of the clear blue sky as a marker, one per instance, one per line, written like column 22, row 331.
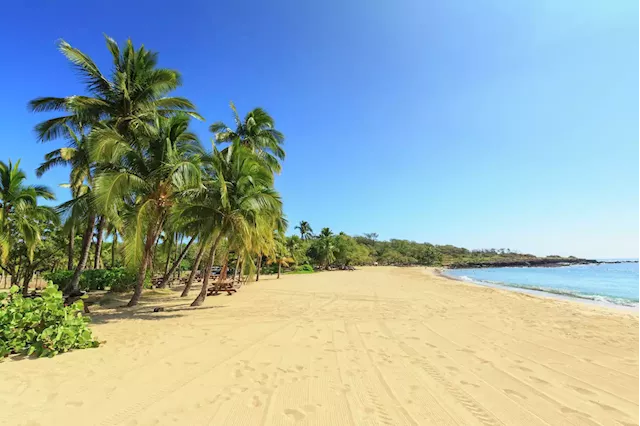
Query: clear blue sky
column 476, row 123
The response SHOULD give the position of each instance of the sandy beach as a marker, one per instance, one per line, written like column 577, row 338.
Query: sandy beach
column 378, row 346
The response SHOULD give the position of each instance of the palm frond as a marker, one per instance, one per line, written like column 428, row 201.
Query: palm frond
column 94, row 79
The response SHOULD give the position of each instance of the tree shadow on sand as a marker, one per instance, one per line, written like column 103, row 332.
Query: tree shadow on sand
column 145, row 313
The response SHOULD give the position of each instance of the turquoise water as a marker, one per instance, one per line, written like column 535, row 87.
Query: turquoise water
column 614, row 283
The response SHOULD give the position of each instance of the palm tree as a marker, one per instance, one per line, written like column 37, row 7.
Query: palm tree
column 17, row 202
column 281, row 255
column 126, row 104
column 114, row 232
column 69, row 228
column 76, row 155
column 169, row 271
column 256, row 132
column 149, row 176
column 327, row 246
column 237, row 198
column 305, row 230
column 194, row 270
column 33, row 225
column 128, row 100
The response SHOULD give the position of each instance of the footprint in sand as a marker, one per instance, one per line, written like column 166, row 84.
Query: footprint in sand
column 567, row 410
column 581, row 390
column 294, row 414
column 512, row 392
column 606, row 407
column 523, row 368
column 538, row 380
column 256, row 401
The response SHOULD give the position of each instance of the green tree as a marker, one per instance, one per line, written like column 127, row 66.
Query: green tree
column 326, row 246
column 128, row 100
column 256, row 132
column 76, row 156
column 305, row 230
column 19, row 204
column 238, row 196
column 349, row 252
column 149, row 176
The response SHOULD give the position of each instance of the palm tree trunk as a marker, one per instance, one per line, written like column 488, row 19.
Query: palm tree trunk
column 236, row 270
column 165, row 278
column 72, row 236
column 176, row 270
column 194, row 271
column 99, row 236
column 240, row 271
column 166, row 264
column 152, row 234
column 259, row 266
column 207, row 273
column 114, row 242
column 153, row 253
column 279, row 267
column 74, row 284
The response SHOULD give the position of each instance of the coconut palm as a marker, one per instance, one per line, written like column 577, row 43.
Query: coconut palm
column 114, row 232
column 281, row 255
column 327, row 246
column 34, row 225
column 256, row 132
column 305, row 230
column 19, row 204
column 128, row 100
column 138, row 185
column 194, row 270
column 237, row 198
column 76, row 156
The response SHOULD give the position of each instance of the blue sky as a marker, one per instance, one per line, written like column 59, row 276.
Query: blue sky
column 475, row 123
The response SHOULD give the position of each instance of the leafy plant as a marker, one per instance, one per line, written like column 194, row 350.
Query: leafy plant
column 116, row 279
column 303, row 269
column 42, row 326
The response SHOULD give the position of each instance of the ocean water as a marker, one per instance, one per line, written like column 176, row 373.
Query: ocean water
column 610, row 283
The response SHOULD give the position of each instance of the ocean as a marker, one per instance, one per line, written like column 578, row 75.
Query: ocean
column 615, row 283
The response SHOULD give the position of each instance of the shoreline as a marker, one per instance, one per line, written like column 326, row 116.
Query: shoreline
column 543, row 293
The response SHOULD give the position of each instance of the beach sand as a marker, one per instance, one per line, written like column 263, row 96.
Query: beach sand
column 378, row 346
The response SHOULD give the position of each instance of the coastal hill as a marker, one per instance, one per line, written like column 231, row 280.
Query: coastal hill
column 455, row 258
column 367, row 249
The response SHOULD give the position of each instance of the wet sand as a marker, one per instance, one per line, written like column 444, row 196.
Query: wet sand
column 378, row 346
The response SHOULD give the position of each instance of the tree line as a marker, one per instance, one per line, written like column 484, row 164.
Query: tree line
column 141, row 177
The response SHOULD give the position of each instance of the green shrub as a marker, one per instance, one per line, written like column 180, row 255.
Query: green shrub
column 59, row 278
column 43, row 325
column 304, row 268
column 116, row 279
column 269, row 269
